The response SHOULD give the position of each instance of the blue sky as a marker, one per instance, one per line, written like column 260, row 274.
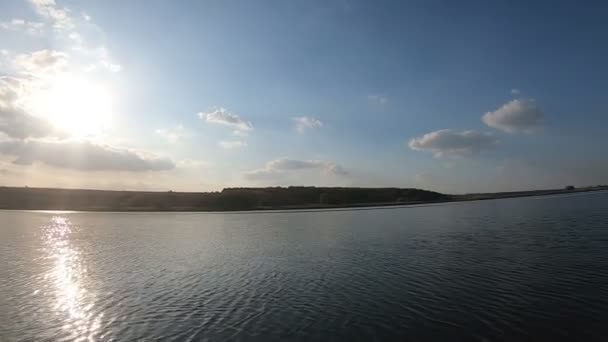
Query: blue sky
column 456, row 97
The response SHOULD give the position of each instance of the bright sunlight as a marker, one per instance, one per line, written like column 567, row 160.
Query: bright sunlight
column 76, row 105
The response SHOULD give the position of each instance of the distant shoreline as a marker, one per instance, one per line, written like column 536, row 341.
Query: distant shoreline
column 395, row 205
column 244, row 199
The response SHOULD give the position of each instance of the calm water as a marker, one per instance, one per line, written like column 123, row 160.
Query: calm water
column 517, row 269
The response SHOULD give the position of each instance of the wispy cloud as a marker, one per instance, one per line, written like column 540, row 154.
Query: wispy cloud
column 222, row 116
column 283, row 166
column 172, row 135
column 446, row 142
column 30, row 138
column 29, row 27
column 516, row 116
column 40, row 62
column 304, row 123
column 50, row 10
column 100, row 57
column 71, row 29
column 83, row 155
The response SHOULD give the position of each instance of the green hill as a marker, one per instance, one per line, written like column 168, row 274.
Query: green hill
column 227, row 199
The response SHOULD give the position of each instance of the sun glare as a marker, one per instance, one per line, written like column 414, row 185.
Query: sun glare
column 79, row 107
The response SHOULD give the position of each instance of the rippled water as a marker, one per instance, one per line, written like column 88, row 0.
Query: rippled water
column 517, row 269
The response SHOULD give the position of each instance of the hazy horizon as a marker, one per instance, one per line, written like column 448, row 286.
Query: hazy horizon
column 200, row 96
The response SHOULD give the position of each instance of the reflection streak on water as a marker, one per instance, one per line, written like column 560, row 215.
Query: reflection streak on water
column 67, row 275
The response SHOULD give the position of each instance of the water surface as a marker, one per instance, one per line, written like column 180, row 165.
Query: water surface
column 514, row 269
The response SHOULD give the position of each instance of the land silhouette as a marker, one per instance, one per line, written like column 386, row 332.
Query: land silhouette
column 240, row 199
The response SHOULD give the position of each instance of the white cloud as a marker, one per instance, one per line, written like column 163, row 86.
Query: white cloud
column 83, row 156
column 446, row 142
column 173, row 135
column 29, row 138
column 281, row 167
column 40, row 62
column 59, row 16
column 306, row 122
column 515, row 92
column 516, row 116
column 379, row 99
column 224, row 117
column 232, row 144
column 30, row 27
column 70, row 28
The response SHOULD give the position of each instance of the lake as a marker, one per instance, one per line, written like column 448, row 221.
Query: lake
column 512, row 269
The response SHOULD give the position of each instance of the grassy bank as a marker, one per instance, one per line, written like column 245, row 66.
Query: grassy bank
column 238, row 199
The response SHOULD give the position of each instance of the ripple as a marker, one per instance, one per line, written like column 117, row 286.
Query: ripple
column 466, row 272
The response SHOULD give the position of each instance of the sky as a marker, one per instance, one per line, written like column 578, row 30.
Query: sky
column 456, row 97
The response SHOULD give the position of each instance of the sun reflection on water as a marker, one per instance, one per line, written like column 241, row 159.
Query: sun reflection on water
column 67, row 275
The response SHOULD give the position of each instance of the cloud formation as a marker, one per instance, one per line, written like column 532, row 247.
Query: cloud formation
column 40, row 62
column 31, row 138
column 75, row 29
column 29, row 27
column 172, row 135
column 35, row 72
column 306, row 122
column 26, row 133
column 100, row 56
column 49, row 10
column 280, row 167
column 335, row 169
column 294, row 164
column 15, row 121
column 224, row 117
column 446, row 142
column 83, row 156
column 516, row 116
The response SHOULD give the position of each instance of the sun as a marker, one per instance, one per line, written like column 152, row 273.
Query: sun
column 75, row 105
